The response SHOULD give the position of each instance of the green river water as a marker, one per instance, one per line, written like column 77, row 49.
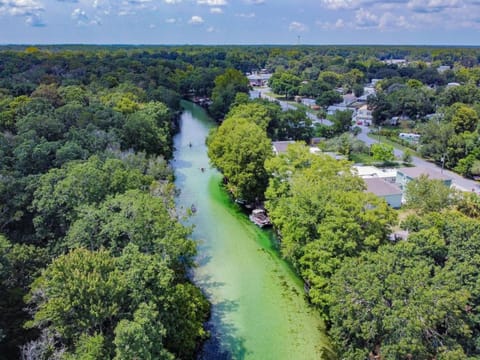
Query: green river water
column 258, row 305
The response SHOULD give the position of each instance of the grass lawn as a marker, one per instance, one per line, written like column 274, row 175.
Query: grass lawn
column 364, row 159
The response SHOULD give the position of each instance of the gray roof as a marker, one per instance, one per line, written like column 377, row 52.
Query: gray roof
column 381, row 187
column 281, row 146
column 415, row 172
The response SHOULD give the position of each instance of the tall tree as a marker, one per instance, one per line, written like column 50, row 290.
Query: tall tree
column 239, row 148
column 226, row 88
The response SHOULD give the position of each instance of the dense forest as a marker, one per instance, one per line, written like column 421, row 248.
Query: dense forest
column 94, row 261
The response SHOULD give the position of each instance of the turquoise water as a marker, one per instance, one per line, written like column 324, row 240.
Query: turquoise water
column 258, row 305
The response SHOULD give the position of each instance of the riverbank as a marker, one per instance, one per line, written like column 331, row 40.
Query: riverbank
column 258, row 306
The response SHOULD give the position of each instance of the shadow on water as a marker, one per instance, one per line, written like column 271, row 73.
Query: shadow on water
column 223, row 335
column 224, row 342
column 202, row 260
column 182, row 164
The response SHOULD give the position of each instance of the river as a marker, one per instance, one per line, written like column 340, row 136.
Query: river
column 258, row 305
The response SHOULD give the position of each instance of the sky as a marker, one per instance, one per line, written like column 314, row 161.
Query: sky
column 415, row 22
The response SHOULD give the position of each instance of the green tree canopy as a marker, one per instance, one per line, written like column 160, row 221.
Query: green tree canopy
column 396, row 304
column 134, row 217
column 382, row 152
column 227, row 85
column 429, row 195
column 61, row 191
column 239, row 148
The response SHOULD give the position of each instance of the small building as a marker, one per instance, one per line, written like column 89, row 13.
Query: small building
column 349, row 99
column 386, row 190
column 442, row 68
column 257, row 79
column 410, row 137
column 369, row 90
column 407, row 174
column 332, row 109
column 280, row 147
column 316, row 140
column 453, row 84
column 398, row 62
column 363, row 116
column 309, row 102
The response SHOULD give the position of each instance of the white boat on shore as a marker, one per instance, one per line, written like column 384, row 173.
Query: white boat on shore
column 260, row 218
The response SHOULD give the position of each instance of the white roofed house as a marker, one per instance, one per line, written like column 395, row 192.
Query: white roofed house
column 369, row 172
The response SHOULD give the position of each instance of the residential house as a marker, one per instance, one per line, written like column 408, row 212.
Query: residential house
column 441, row 69
column 398, row 62
column 332, row 109
column 363, row 116
column 386, row 190
column 258, row 79
column 372, row 172
column 407, row 174
column 280, row 147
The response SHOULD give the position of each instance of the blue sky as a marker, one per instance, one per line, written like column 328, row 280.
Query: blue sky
column 430, row 22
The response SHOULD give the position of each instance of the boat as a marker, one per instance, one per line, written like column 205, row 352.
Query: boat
column 260, row 218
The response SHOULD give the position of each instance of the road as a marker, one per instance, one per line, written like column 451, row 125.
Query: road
column 457, row 180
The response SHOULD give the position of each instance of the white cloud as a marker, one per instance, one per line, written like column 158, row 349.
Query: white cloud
column 247, row 16
column 173, row 2
column 357, row 4
column 79, row 14
column 297, row 26
column 31, row 10
column 255, row 2
column 338, row 4
column 196, row 20
column 212, row 2
column 82, row 18
column 21, row 7
column 211, row 29
column 171, row 20
column 327, row 25
column 366, row 19
column 216, row 10
column 389, row 21
column 428, row 6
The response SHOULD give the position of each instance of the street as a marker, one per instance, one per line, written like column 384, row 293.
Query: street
column 458, row 180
